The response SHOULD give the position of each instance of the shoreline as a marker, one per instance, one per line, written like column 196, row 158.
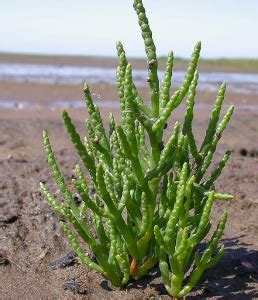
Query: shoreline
column 205, row 65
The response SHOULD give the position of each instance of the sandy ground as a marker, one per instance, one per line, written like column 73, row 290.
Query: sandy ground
column 31, row 242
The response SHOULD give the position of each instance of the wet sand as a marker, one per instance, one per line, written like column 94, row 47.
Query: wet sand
column 42, row 95
column 30, row 237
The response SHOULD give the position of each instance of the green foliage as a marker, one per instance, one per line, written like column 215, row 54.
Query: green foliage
column 151, row 201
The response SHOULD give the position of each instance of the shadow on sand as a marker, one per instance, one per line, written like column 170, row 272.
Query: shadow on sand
column 233, row 278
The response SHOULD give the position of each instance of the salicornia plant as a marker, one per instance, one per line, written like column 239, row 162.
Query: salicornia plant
column 148, row 199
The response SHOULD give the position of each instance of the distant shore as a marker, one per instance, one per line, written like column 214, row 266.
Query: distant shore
column 205, row 65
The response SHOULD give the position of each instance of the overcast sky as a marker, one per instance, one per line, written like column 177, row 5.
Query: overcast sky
column 227, row 28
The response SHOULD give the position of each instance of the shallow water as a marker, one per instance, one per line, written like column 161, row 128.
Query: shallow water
column 242, row 83
column 111, row 104
column 81, row 104
column 14, row 104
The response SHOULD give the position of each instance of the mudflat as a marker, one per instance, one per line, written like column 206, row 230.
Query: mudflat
column 36, row 260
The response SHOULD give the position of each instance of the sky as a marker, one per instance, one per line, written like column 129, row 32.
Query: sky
column 227, row 28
